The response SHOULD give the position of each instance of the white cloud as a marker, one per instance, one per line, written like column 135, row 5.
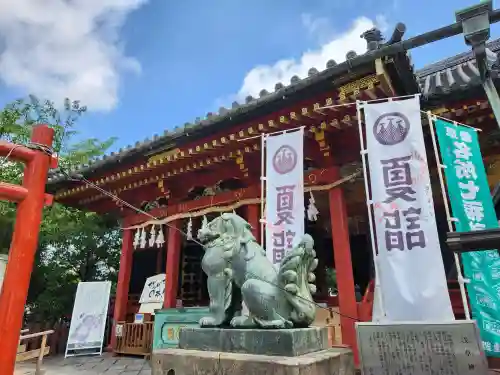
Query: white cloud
column 65, row 48
column 334, row 48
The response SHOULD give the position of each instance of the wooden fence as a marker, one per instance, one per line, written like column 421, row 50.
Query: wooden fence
column 134, row 338
column 57, row 341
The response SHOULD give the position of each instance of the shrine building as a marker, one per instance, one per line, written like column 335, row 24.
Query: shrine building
column 212, row 165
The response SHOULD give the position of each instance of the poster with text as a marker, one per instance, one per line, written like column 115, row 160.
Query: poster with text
column 154, row 289
column 88, row 320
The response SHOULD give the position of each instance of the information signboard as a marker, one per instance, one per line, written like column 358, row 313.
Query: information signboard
column 421, row 348
column 88, row 322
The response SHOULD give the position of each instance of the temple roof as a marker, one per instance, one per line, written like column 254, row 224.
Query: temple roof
column 237, row 113
column 455, row 73
column 458, row 72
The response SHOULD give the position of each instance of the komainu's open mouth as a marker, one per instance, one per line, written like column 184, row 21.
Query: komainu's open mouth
column 206, row 237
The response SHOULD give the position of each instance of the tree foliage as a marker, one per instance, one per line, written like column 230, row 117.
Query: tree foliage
column 74, row 245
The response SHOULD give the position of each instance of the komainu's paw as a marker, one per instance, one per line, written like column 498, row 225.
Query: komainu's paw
column 242, row 321
column 273, row 324
column 209, row 321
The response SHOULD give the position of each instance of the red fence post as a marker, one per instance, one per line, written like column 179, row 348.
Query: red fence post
column 22, row 250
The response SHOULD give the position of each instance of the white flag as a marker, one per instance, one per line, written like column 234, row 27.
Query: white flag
column 284, row 193
column 412, row 278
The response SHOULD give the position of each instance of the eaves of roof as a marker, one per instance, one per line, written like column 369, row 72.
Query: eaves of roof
column 224, row 118
column 454, row 74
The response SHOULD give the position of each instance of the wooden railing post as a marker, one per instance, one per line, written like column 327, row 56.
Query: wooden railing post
column 39, row 361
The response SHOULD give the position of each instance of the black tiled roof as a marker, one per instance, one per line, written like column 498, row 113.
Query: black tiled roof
column 250, row 104
column 459, row 72
column 281, row 91
column 456, row 73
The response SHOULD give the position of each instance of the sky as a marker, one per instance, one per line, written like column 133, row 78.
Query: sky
column 145, row 66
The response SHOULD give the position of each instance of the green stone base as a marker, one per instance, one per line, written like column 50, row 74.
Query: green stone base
column 279, row 342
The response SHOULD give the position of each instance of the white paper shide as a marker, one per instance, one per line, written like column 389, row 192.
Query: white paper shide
column 284, row 193
column 412, row 278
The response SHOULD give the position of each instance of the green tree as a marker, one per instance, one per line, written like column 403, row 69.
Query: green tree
column 74, row 245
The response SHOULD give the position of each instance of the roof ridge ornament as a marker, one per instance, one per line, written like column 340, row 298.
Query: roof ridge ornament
column 374, row 38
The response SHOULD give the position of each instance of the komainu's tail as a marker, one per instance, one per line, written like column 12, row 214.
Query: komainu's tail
column 296, row 277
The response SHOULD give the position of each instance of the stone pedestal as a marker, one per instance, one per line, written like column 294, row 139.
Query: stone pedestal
column 205, row 351
column 197, row 362
column 276, row 342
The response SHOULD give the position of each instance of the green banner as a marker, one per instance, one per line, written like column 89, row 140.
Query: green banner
column 473, row 209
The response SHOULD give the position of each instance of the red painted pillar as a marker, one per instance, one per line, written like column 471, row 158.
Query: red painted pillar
column 252, row 213
column 343, row 266
column 22, row 250
column 174, row 242
column 122, row 287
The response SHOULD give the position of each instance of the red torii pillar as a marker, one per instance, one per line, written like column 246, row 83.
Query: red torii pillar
column 31, row 199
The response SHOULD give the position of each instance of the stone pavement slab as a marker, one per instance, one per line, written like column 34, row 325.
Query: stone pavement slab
column 101, row 365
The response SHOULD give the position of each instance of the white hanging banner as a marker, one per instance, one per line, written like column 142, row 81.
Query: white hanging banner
column 284, row 193
column 412, row 278
column 88, row 321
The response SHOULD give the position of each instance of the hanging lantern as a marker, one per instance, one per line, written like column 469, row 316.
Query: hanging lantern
column 312, row 211
column 189, row 230
column 137, row 238
column 152, row 236
column 160, row 239
column 143, row 238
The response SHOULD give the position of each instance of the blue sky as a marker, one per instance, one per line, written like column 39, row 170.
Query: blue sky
column 146, row 66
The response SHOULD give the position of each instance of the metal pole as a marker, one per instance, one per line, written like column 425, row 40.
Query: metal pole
column 377, row 290
column 22, row 251
column 461, row 280
column 262, row 190
column 476, row 24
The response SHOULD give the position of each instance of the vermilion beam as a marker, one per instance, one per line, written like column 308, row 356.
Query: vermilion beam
column 23, row 246
column 12, row 193
column 16, row 152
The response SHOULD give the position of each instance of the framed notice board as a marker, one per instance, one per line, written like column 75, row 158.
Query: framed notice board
column 421, row 348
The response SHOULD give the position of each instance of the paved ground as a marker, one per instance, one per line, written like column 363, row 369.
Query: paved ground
column 105, row 365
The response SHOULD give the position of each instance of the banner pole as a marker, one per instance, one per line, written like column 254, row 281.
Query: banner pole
column 449, row 219
column 369, row 204
column 262, row 187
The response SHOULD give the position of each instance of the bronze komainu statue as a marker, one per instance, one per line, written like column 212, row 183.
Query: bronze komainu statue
column 238, row 270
